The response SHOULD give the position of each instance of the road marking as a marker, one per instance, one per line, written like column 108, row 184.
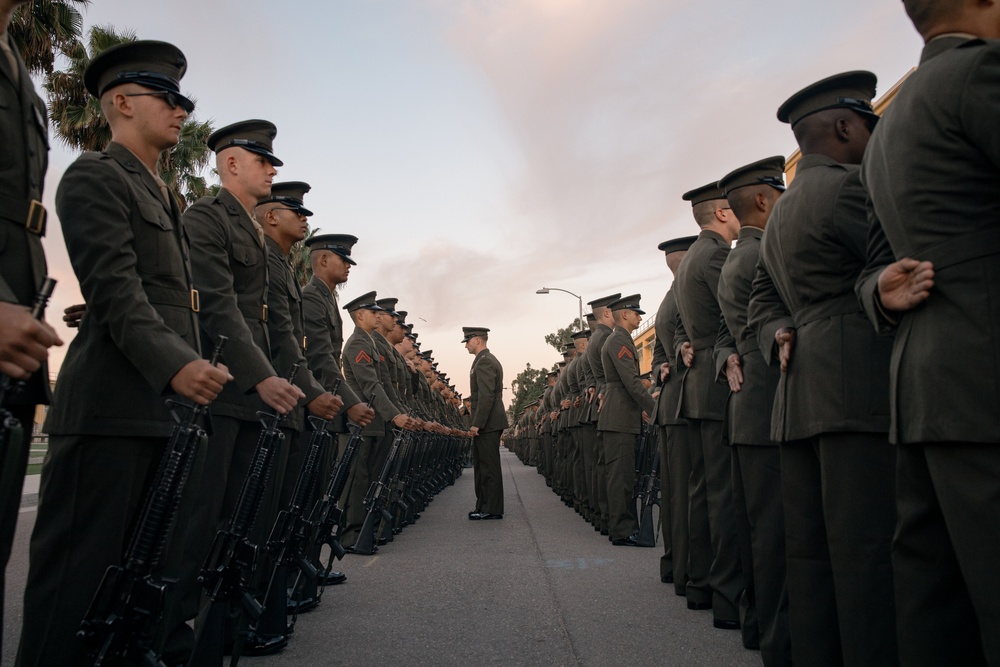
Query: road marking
column 371, row 561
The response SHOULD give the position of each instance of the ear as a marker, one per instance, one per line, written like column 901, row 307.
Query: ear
column 720, row 215
column 760, row 201
column 123, row 104
column 842, row 128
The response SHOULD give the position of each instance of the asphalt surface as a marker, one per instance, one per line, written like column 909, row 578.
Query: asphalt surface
column 540, row 587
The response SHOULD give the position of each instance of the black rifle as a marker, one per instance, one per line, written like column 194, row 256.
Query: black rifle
column 650, row 496
column 11, row 428
column 229, row 568
column 327, row 516
column 643, row 459
column 376, row 501
column 291, row 536
column 130, row 600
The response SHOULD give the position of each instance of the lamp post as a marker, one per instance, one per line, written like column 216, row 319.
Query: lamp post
column 546, row 290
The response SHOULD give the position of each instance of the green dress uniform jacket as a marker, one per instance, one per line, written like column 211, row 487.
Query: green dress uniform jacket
column 810, row 258
column 695, row 288
column 130, row 254
column 593, row 353
column 230, row 270
column 750, row 407
column 389, row 370
column 585, row 379
column 574, row 380
column 486, row 390
column 938, row 200
column 364, row 371
column 664, row 351
column 625, row 398
column 286, row 332
column 324, row 334
column 23, row 161
column 940, row 203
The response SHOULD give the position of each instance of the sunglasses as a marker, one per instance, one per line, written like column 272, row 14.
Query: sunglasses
column 173, row 100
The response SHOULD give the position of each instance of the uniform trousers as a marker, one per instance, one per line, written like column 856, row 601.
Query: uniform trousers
column 547, row 456
column 601, row 481
column 748, row 600
column 666, row 519
column 760, row 468
column 725, row 575
column 675, row 495
column 946, row 553
column 579, row 485
column 91, row 494
column 839, row 495
column 587, row 442
column 357, row 486
column 13, row 462
column 619, row 451
column 488, row 476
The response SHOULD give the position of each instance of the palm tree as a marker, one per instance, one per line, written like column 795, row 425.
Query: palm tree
column 299, row 258
column 76, row 115
column 79, row 123
column 182, row 166
column 43, row 28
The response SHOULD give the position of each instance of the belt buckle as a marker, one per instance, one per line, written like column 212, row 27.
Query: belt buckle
column 35, row 222
column 263, row 313
column 195, row 301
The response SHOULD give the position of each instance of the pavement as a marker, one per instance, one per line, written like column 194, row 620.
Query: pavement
column 540, row 587
column 29, row 492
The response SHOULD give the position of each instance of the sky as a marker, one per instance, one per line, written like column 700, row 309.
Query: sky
column 483, row 149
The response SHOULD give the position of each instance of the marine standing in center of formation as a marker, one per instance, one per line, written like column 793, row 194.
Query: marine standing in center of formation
column 488, row 422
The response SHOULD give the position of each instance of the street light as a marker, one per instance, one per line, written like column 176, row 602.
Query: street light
column 546, row 290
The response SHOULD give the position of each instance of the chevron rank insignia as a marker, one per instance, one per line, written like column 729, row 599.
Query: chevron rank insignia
column 362, row 358
column 625, row 352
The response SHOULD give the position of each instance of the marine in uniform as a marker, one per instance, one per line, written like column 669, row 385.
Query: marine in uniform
column 752, row 191
column 604, row 323
column 24, row 342
column 109, row 424
column 931, row 171
column 282, row 215
column 675, row 459
column 702, row 404
column 330, row 259
column 583, row 433
column 488, row 422
column 831, row 408
column 625, row 407
column 365, row 372
column 230, row 263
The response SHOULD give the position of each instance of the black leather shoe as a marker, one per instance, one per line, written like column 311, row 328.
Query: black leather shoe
column 698, row 606
column 604, row 531
column 475, row 515
column 258, row 644
column 725, row 625
column 301, row 606
column 630, row 541
column 667, row 578
column 486, row 517
column 350, row 550
column 331, row 579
